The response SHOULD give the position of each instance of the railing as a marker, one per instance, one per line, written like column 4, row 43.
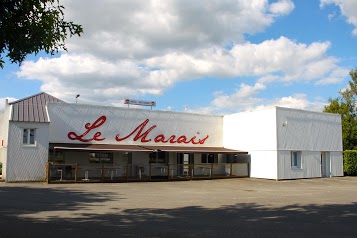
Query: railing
column 143, row 172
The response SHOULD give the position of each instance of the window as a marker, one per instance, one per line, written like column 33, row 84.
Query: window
column 128, row 157
column 158, row 157
column 231, row 158
column 296, row 159
column 100, row 158
column 56, row 156
column 208, row 158
column 28, row 136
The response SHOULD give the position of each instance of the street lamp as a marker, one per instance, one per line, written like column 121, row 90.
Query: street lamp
column 77, row 97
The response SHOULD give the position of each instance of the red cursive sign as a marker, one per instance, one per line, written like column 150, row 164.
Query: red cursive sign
column 139, row 133
column 159, row 138
column 100, row 121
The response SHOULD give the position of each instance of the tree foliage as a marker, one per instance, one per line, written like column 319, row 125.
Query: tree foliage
column 350, row 162
column 31, row 26
column 345, row 105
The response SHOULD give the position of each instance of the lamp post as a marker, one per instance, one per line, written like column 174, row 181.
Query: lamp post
column 77, row 96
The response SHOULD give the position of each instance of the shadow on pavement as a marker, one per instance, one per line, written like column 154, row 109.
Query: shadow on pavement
column 53, row 212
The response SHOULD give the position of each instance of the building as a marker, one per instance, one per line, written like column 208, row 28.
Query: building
column 43, row 138
column 287, row 143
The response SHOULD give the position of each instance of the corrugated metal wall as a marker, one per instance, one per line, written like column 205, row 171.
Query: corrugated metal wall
column 67, row 118
column 308, row 131
column 310, row 162
column 311, row 165
column 336, row 163
column 27, row 163
column 311, row 133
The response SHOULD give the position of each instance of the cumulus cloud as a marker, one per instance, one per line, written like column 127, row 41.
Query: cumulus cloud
column 246, row 98
column 241, row 98
column 348, row 9
column 297, row 101
column 135, row 29
column 283, row 7
column 132, row 48
column 93, row 78
column 279, row 59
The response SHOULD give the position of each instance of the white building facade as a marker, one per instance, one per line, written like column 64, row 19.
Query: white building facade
column 287, row 143
column 111, row 142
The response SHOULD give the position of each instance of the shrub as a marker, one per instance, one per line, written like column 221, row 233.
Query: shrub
column 350, row 162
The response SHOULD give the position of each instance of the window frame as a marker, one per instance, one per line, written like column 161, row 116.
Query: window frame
column 158, row 157
column 56, row 156
column 208, row 158
column 296, row 160
column 29, row 137
column 98, row 156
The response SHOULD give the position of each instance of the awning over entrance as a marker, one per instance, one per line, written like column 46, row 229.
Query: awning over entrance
column 103, row 147
column 138, row 148
column 191, row 149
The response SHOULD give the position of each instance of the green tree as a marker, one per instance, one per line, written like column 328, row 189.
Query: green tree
column 345, row 105
column 31, row 26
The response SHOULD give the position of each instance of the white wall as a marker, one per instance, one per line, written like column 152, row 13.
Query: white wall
column 263, row 164
column 66, row 118
column 4, row 130
column 254, row 132
column 27, row 163
column 250, row 130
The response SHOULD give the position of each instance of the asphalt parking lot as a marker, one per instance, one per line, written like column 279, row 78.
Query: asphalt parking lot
column 242, row 207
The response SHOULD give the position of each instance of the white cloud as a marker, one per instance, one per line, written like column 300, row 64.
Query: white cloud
column 336, row 76
column 93, row 78
column 242, row 98
column 331, row 16
column 246, row 98
column 136, row 29
column 348, row 9
column 282, row 7
column 134, row 48
column 106, row 81
column 275, row 60
column 297, row 101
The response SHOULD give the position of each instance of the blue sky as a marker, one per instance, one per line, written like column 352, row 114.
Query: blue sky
column 214, row 57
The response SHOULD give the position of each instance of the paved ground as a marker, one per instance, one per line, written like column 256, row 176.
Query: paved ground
column 219, row 208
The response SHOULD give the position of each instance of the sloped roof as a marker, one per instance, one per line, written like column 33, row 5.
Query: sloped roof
column 33, row 108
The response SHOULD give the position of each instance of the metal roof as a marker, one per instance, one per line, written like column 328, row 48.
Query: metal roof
column 32, row 109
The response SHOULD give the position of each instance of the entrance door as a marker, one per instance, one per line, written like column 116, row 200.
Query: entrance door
column 183, row 161
column 325, row 164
